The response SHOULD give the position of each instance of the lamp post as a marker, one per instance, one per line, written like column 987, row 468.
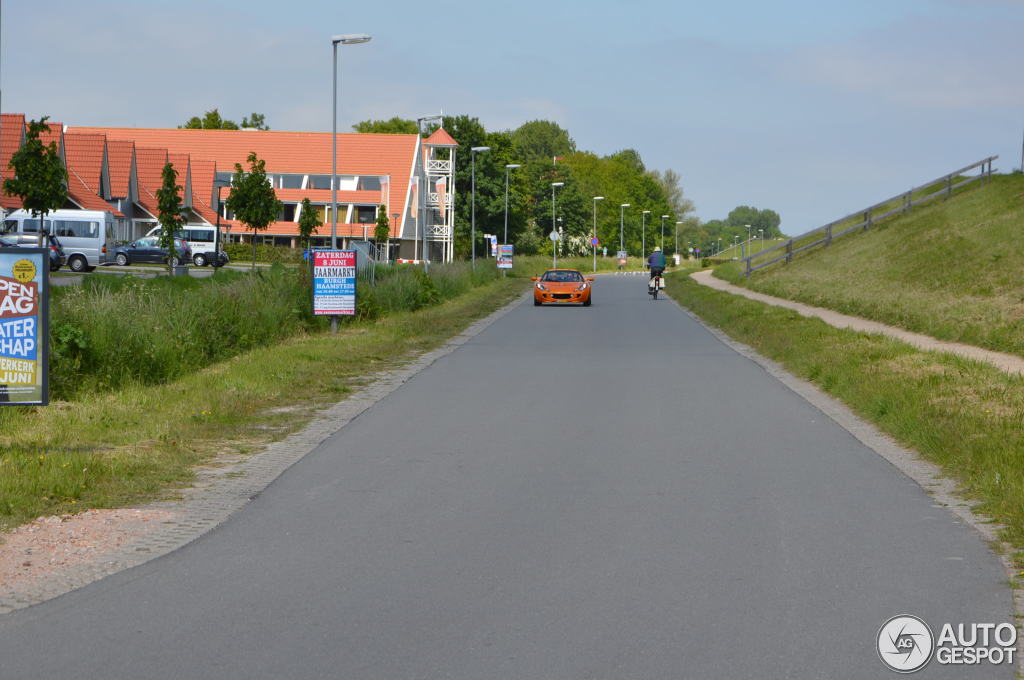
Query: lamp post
column 594, row 233
column 622, row 211
column 643, row 233
column 554, row 229
column 662, row 244
column 719, row 251
column 344, row 39
column 675, row 238
column 473, row 152
column 508, row 166
column 218, row 185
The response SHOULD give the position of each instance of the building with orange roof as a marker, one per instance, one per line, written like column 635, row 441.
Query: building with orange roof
column 120, row 169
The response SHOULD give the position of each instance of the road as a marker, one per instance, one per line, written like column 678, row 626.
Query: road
column 603, row 492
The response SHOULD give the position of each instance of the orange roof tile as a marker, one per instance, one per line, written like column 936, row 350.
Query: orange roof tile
column 440, row 138
column 54, row 133
column 180, row 161
column 289, row 152
column 149, row 167
column 85, row 197
column 12, row 134
column 119, row 163
column 84, row 157
column 292, row 229
column 203, row 173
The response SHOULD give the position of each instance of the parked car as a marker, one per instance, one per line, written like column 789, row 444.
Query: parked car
column 147, row 249
column 201, row 239
column 56, row 250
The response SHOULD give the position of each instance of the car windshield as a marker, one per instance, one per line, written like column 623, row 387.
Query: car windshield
column 562, row 277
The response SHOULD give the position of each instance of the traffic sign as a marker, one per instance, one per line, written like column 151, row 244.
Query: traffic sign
column 554, row 235
column 594, row 242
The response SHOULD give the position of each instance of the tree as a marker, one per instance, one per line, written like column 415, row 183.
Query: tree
column 669, row 181
column 542, row 139
column 252, row 198
column 211, row 120
column 309, row 222
column 394, row 126
column 168, row 203
column 258, row 122
column 382, row 232
column 40, row 176
column 768, row 220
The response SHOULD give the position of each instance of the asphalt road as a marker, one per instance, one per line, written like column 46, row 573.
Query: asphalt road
column 605, row 492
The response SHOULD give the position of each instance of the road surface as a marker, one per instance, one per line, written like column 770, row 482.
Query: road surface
column 604, row 492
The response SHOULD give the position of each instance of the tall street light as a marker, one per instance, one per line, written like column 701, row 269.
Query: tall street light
column 593, row 236
column 473, row 152
column 554, row 228
column 662, row 244
column 675, row 235
column 643, row 234
column 218, row 184
column 508, row 166
column 622, row 212
column 344, row 39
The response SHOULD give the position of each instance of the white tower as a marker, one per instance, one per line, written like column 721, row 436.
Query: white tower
column 438, row 233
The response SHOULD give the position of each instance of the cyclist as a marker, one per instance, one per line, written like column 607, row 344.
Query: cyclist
column 656, row 262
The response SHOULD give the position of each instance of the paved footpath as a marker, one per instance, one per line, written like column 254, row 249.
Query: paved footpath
column 1006, row 362
column 605, row 492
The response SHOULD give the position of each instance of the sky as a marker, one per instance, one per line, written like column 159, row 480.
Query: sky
column 812, row 108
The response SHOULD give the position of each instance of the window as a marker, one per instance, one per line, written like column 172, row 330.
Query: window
column 199, row 235
column 76, row 228
column 31, row 226
column 562, row 277
column 287, row 213
column 369, row 183
column 292, row 181
column 225, row 176
column 319, row 181
column 366, row 214
column 10, row 227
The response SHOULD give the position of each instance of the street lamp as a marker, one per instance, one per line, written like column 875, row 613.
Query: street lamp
column 218, row 184
column 761, row 231
column 594, row 234
column 508, row 166
column 622, row 211
column 472, row 238
column 675, row 238
column 554, row 230
column 344, row 39
column 719, row 247
column 643, row 233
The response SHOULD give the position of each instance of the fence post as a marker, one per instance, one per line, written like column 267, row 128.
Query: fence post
column 748, row 267
column 867, row 219
column 789, row 248
column 949, row 186
column 907, row 198
column 828, row 235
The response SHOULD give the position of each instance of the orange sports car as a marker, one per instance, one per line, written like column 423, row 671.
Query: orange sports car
column 562, row 285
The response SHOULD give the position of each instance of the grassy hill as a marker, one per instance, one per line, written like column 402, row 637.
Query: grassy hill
column 951, row 269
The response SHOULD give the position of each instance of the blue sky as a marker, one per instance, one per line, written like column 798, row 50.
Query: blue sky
column 811, row 108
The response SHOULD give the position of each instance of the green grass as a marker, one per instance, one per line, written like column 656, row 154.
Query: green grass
column 136, row 443
column 965, row 416
column 949, row 269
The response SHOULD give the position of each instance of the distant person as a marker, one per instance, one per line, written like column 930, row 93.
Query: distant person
column 656, row 262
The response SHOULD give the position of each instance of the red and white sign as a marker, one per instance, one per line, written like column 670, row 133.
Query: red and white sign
column 334, row 282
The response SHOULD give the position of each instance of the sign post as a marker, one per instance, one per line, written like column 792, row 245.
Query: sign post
column 24, row 325
column 554, row 236
column 334, row 283
column 505, row 252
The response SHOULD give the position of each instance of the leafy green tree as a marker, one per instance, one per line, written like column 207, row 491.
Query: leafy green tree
column 211, row 120
column 40, row 176
column 309, row 223
column 252, row 198
column 257, row 121
column 768, row 220
column 382, row 232
column 394, row 126
column 172, row 219
column 542, row 139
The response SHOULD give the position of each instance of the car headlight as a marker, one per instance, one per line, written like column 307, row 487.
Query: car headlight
column 583, row 287
column 540, row 286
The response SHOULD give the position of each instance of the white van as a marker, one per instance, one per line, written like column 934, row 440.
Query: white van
column 86, row 235
column 200, row 239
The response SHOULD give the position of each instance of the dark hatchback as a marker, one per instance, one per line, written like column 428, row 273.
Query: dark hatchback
column 148, row 249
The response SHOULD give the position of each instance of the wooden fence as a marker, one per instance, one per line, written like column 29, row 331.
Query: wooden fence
column 899, row 204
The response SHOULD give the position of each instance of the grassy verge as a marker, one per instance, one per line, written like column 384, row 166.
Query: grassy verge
column 949, row 269
column 133, row 444
column 965, row 416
